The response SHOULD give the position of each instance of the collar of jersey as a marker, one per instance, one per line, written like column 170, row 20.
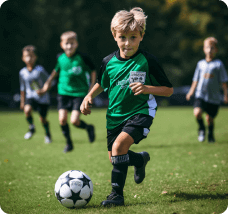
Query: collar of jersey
column 122, row 59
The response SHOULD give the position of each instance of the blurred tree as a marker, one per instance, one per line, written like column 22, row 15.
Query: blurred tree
column 175, row 32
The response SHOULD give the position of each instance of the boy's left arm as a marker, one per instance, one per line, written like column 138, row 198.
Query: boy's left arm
column 224, row 87
column 138, row 88
column 92, row 79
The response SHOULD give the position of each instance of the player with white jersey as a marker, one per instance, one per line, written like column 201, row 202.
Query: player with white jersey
column 209, row 75
column 32, row 78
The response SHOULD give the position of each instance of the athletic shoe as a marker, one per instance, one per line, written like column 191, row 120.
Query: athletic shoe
column 113, row 199
column 201, row 135
column 91, row 133
column 211, row 139
column 29, row 134
column 68, row 148
column 47, row 139
column 140, row 171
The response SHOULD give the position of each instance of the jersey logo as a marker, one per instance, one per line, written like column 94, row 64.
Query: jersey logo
column 137, row 76
column 76, row 70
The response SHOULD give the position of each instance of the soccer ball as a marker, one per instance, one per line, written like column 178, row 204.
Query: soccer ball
column 73, row 189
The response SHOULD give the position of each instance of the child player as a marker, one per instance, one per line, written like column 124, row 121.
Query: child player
column 132, row 78
column 209, row 74
column 76, row 76
column 32, row 78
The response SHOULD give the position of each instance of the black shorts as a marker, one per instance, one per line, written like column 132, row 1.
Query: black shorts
column 41, row 108
column 138, row 127
column 209, row 108
column 69, row 103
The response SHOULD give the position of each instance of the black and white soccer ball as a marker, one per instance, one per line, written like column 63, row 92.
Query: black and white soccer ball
column 74, row 189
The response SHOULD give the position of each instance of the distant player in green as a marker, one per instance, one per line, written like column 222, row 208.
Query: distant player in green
column 209, row 75
column 32, row 78
column 77, row 76
column 132, row 77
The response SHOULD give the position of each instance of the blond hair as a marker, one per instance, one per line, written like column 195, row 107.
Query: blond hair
column 135, row 19
column 29, row 48
column 68, row 35
column 211, row 40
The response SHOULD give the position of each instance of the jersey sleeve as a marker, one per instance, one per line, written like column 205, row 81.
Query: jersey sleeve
column 102, row 77
column 22, row 83
column 156, row 73
column 57, row 66
column 43, row 74
column 223, row 75
column 197, row 73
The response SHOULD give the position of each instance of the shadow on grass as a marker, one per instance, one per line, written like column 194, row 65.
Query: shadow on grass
column 192, row 196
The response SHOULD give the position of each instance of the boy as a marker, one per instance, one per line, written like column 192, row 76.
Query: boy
column 132, row 77
column 75, row 71
column 209, row 73
column 32, row 77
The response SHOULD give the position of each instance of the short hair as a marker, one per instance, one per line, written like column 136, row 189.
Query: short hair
column 30, row 48
column 68, row 35
column 211, row 40
column 129, row 20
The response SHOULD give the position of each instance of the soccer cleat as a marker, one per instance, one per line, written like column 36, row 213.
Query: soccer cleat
column 201, row 135
column 113, row 199
column 91, row 133
column 47, row 139
column 211, row 139
column 68, row 148
column 29, row 134
column 140, row 173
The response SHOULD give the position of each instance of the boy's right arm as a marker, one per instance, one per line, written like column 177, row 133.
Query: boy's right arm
column 191, row 91
column 22, row 102
column 88, row 100
column 47, row 84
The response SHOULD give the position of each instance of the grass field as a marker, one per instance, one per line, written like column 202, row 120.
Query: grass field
column 183, row 176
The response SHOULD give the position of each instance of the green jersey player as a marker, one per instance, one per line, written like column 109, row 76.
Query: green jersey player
column 77, row 76
column 132, row 77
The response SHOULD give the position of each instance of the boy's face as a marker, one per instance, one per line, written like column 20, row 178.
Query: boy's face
column 210, row 49
column 128, row 42
column 29, row 58
column 69, row 45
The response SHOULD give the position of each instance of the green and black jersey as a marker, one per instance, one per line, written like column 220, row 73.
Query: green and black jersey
column 74, row 74
column 115, row 76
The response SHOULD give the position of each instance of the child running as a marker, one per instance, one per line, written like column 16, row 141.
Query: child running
column 210, row 73
column 132, row 77
column 77, row 76
column 32, row 78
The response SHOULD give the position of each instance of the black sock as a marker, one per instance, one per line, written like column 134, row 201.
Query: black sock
column 135, row 159
column 211, row 129
column 46, row 128
column 119, row 174
column 66, row 133
column 201, row 124
column 82, row 125
column 30, row 120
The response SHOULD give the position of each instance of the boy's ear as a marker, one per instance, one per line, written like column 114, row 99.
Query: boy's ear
column 142, row 36
column 114, row 35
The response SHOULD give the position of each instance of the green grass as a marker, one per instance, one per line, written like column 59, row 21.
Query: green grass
column 193, row 175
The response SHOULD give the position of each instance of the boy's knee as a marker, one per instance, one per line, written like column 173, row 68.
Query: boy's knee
column 198, row 113
column 62, row 121
column 75, row 122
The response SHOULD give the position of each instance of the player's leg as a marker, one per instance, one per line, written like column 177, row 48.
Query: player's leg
column 28, row 114
column 210, row 122
column 120, row 161
column 43, row 109
column 64, row 104
column 198, row 112
column 65, row 129
column 77, row 122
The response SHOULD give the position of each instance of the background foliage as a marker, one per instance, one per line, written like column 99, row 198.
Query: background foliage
column 175, row 32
